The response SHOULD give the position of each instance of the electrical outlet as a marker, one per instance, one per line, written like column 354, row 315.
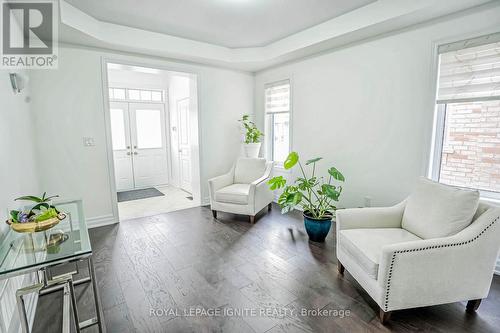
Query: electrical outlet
column 88, row 142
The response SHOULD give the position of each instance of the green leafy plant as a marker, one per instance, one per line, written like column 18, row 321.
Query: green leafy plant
column 315, row 195
column 42, row 209
column 46, row 214
column 252, row 134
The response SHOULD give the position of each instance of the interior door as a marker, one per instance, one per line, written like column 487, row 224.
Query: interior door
column 184, row 145
column 149, row 146
column 120, row 136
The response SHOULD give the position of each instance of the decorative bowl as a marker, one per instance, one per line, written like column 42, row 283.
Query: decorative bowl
column 36, row 226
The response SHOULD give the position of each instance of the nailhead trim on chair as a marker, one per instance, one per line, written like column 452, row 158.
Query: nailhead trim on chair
column 391, row 267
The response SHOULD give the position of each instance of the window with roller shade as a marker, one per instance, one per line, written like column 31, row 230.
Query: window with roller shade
column 277, row 129
column 467, row 147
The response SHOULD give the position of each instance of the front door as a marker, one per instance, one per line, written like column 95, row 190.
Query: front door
column 139, row 145
column 122, row 152
column 149, row 144
column 184, row 145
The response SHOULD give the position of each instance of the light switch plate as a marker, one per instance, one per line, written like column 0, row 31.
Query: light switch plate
column 88, row 142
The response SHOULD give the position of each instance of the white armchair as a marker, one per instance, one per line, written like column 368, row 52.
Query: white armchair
column 243, row 190
column 402, row 265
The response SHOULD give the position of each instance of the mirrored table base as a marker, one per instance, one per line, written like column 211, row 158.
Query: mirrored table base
column 65, row 282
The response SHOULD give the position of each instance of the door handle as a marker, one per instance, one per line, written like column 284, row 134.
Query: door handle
column 128, row 147
column 135, row 147
column 128, row 153
column 135, row 153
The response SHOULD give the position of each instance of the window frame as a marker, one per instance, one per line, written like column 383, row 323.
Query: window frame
column 438, row 133
column 127, row 98
column 437, row 154
column 269, row 132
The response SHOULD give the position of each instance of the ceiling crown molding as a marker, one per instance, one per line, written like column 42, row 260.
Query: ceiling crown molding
column 376, row 18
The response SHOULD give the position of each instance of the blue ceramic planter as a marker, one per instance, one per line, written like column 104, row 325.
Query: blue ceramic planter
column 317, row 229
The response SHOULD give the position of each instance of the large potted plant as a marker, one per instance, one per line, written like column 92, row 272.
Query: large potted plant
column 315, row 195
column 252, row 137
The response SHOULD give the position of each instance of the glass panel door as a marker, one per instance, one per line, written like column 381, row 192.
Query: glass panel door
column 118, row 134
column 148, row 144
column 149, row 128
column 122, row 152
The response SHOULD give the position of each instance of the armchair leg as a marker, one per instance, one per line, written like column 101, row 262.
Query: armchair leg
column 269, row 207
column 252, row 219
column 214, row 213
column 384, row 316
column 473, row 305
column 340, row 268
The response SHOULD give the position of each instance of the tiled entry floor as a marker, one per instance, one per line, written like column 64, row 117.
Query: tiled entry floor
column 174, row 199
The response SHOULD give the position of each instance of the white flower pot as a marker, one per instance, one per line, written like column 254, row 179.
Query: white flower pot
column 252, row 149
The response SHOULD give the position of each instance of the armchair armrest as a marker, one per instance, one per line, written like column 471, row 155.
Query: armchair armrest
column 259, row 189
column 221, row 181
column 441, row 270
column 373, row 217
column 265, row 176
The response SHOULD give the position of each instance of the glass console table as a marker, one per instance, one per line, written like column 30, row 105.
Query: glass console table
column 39, row 253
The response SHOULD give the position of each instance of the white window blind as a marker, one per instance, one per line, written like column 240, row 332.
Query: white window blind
column 277, row 97
column 469, row 70
column 277, row 108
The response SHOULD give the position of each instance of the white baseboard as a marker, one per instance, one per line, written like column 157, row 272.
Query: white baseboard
column 100, row 221
column 205, row 201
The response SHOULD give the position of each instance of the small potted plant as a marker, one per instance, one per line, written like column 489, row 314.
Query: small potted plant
column 252, row 137
column 42, row 216
column 315, row 195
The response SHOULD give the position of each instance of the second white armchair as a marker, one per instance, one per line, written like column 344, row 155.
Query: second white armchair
column 438, row 246
column 244, row 189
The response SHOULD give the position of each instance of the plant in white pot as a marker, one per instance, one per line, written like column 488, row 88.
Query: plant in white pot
column 252, row 137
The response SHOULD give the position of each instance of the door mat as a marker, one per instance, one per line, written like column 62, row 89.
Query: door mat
column 139, row 194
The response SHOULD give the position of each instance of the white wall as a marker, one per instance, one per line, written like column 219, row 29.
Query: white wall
column 18, row 176
column 69, row 106
column 368, row 108
column 132, row 79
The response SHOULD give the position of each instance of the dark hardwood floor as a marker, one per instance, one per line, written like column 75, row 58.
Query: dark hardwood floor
column 186, row 259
